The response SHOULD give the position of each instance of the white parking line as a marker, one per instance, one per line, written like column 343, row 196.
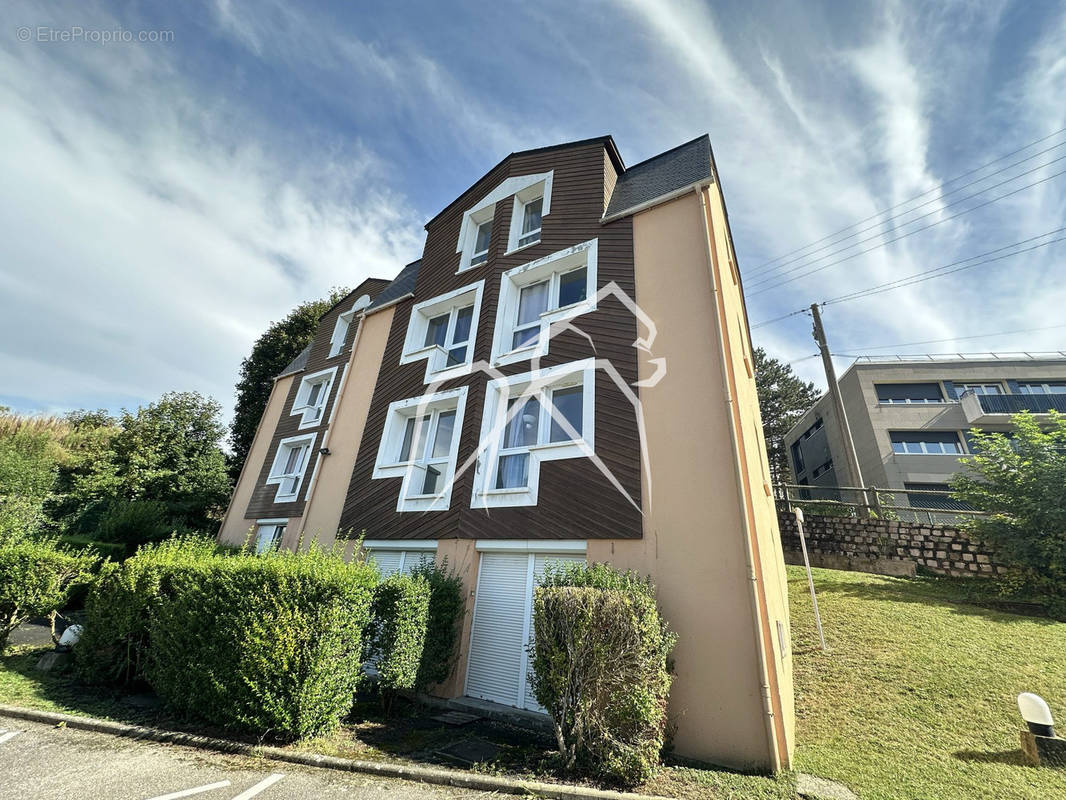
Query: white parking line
column 196, row 790
column 7, row 736
column 266, row 783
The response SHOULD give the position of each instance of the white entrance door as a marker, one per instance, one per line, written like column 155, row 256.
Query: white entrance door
column 499, row 664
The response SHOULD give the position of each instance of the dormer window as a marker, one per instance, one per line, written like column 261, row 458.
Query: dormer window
column 532, row 202
column 482, row 241
column 344, row 321
column 441, row 330
column 531, row 216
column 311, row 397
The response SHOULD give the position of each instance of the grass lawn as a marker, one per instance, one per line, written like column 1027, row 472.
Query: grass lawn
column 916, row 696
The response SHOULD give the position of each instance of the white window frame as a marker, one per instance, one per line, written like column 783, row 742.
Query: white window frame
column 436, row 357
column 406, row 548
column 522, row 198
column 538, row 383
column 484, row 211
column 413, row 470
column 551, row 268
column 277, row 474
column 261, row 528
column 343, row 325
column 312, row 415
column 1025, row 387
column 960, row 443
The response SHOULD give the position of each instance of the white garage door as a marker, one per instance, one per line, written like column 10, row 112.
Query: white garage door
column 498, row 664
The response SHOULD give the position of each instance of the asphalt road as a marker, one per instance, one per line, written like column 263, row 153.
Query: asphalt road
column 43, row 762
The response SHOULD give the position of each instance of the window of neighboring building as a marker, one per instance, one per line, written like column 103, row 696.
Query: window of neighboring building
column 797, row 457
column 533, row 296
column 420, row 443
column 541, row 416
column 442, row 331
column 1042, row 387
column 289, row 466
column 978, row 388
column 909, row 393
column 391, row 557
column 821, row 469
column 343, row 324
column 807, row 434
column 475, row 231
column 941, row 501
column 268, row 534
column 311, row 397
column 926, row 442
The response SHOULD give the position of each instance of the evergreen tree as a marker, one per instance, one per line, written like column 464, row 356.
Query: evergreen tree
column 783, row 397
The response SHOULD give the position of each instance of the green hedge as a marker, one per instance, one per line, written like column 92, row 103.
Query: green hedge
column 600, row 670
column 446, row 609
column 398, row 630
column 36, row 578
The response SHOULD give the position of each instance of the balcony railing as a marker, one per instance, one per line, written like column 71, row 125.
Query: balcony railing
column 1014, row 403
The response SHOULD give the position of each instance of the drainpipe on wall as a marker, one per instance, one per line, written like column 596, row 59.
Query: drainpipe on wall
column 749, row 545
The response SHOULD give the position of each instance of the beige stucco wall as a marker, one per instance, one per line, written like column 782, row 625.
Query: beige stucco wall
column 235, row 527
column 695, row 529
column 323, row 511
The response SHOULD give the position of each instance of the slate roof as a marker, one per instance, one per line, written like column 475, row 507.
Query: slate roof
column 667, row 172
column 297, row 364
column 402, row 284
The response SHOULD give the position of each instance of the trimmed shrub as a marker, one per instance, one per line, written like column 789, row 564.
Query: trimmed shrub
column 264, row 644
column 113, row 649
column 600, row 669
column 36, row 578
column 446, row 610
column 398, row 630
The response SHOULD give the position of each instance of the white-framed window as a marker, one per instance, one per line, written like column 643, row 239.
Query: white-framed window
column 290, row 464
column 926, row 443
column 533, row 296
column 403, row 556
column 420, row 443
column 268, row 534
column 311, row 397
column 475, row 232
column 531, row 205
column 344, row 321
column 1045, row 387
column 978, row 388
column 543, row 415
column 442, row 331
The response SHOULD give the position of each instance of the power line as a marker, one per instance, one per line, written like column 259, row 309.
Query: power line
column 912, row 199
column 929, row 274
column 952, row 339
column 887, row 220
column 902, row 236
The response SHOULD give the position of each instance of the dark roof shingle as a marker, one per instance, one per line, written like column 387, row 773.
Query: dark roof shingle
column 660, row 175
column 402, row 284
column 297, row 364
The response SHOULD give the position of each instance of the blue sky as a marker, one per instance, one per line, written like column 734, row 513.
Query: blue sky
column 161, row 202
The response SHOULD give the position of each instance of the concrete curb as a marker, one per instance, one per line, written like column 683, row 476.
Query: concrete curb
column 386, row 769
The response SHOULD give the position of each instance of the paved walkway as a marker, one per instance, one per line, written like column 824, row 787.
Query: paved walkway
column 41, row 761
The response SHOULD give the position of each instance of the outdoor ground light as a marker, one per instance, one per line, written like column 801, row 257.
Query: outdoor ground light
column 1036, row 713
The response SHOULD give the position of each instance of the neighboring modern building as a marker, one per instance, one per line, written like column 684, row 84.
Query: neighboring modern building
column 910, row 418
column 565, row 374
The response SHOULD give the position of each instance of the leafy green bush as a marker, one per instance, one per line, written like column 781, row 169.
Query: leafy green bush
column 446, row 610
column 113, row 649
column 113, row 550
column 36, row 578
column 263, row 644
column 134, row 522
column 600, row 669
column 398, row 630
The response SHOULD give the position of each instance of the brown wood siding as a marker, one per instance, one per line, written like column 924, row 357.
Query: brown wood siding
column 262, row 505
column 575, row 499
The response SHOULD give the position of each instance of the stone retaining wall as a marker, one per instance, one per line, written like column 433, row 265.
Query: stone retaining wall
column 885, row 547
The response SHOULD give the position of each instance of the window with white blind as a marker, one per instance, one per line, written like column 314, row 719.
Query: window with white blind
column 547, row 415
column 289, row 466
column 392, row 556
column 268, row 534
column 420, row 444
column 441, row 330
column 311, row 397
column 558, row 287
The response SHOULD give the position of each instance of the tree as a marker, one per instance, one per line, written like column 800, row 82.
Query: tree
column 1020, row 481
column 783, row 398
column 271, row 353
column 31, row 451
column 167, row 452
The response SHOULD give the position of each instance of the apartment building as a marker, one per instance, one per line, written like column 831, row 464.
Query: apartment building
column 565, row 374
column 910, row 418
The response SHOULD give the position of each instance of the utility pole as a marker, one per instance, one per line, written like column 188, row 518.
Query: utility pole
column 838, row 402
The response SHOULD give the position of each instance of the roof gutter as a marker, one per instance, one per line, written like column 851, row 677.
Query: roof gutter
column 663, row 198
column 389, row 304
